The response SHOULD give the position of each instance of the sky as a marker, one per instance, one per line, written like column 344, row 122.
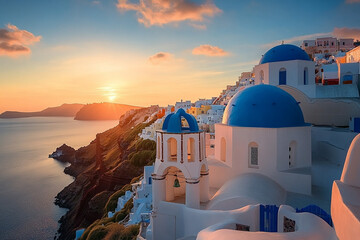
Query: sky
column 145, row 52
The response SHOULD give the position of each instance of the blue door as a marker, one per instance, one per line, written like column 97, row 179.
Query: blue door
column 282, row 77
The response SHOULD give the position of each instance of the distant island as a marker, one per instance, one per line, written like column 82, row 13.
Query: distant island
column 94, row 111
column 103, row 111
column 65, row 110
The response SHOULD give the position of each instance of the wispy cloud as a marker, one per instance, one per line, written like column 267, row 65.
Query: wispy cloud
column 160, row 57
column 347, row 32
column 297, row 39
column 161, row 12
column 208, row 50
column 15, row 42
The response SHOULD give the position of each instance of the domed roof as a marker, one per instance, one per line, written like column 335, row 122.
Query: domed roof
column 173, row 124
column 284, row 52
column 263, row 106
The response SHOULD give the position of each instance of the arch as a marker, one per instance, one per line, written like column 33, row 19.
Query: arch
column 174, row 194
column 172, row 150
column 282, row 76
column 191, row 150
column 292, row 154
column 261, row 76
column 306, row 76
column 158, row 147
column 253, row 155
column 223, row 149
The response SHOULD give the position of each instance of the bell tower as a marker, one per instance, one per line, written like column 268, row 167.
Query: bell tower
column 181, row 170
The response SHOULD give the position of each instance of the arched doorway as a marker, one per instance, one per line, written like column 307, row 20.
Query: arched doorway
column 282, row 76
column 175, row 185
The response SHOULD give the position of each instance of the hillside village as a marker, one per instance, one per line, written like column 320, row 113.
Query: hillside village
column 275, row 153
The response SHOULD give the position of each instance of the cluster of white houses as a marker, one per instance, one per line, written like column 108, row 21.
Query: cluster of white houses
column 277, row 144
column 263, row 154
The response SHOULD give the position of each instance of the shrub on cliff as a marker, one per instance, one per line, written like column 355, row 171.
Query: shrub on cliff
column 142, row 158
column 146, row 144
column 100, row 228
column 97, row 233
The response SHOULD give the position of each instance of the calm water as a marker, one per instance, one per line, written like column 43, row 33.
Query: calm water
column 29, row 180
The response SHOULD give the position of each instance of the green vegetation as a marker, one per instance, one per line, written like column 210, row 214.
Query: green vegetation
column 140, row 153
column 102, row 227
column 146, row 144
column 142, row 158
column 130, row 136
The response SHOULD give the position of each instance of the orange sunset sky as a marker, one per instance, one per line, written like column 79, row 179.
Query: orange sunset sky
column 147, row 52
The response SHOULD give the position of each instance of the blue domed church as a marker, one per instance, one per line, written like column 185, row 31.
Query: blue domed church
column 287, row 64
column 263, row 132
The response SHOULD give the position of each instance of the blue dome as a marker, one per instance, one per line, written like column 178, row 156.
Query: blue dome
column 263, row 106
column 284, row 52
column 172, row 122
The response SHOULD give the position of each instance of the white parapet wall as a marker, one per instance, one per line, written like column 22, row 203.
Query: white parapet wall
column 307, row 227
column 175, row 221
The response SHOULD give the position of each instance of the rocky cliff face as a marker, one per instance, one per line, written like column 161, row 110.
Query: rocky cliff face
column 103, row 111
column 100, row 169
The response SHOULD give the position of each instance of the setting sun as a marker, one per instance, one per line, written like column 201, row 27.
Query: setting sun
column 112, row 97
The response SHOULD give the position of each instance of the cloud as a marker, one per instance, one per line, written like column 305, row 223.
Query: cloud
column 352, row 1
column 160, row 57
column 15, row 42
column 208, row 50
column 296, row 40
column 198, row 26
column 347, row 33
column 161, row 12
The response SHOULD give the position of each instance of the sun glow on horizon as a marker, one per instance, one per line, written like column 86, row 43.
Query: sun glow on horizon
column 109, row 92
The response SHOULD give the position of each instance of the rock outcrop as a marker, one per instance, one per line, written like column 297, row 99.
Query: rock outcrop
column 100, row 169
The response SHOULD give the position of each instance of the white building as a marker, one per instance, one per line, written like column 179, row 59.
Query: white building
column 345, row 205
column 201, row 102
column 184, row 105
column 289, row 65
column 264, row 135
column 353, row 55
column 262, row 151
column 142, row 199
column 150, row 131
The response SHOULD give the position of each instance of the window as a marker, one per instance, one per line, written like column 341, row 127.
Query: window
column 261, row 76
column 282, row 76
column 306, row 44
column 172, row 149
column 191, row 150
column 306, row 78
column 253, row 155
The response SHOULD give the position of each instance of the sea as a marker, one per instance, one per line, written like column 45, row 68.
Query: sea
column 29, row 180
